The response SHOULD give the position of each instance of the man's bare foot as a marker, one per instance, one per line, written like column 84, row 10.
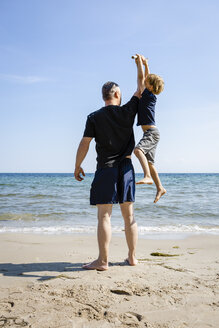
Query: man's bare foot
column 159, row 194
column 95, row 265
column 145, row 181
column 132, row 261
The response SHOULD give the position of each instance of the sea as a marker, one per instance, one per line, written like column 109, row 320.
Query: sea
column 55, row 203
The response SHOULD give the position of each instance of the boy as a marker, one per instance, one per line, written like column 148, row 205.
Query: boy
column 145, row 149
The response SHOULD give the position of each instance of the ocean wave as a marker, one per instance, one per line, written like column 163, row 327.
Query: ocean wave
column 7, row 184
column 49, row 230
column 142, row 208
column 8, row 195
column 50, row 215
column 31, row 216
column 143, row 230
column 200, row 214
column 179, row 228
column 17, row 217
column 42, row 196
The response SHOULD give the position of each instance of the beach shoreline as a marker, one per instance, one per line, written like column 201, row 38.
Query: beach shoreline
column 42, row 283
column 146, row 236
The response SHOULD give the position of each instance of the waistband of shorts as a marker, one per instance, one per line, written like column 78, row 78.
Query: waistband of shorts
column 114, row 165
column 152, row 130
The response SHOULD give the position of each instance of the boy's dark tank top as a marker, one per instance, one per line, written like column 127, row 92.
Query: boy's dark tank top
column 146, row 108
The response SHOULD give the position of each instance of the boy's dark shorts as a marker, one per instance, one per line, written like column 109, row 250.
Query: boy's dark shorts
column 148, row 143
column 113, row 185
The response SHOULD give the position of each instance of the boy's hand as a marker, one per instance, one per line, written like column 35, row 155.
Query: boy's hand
column 144, row 60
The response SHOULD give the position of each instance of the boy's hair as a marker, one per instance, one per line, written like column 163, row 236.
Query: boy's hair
column 108, row 90
column 156, row 82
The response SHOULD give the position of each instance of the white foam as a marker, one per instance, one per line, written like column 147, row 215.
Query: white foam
column 143, row 230
column 179, row 228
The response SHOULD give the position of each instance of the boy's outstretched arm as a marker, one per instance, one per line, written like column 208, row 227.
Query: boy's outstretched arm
column 81, row 154
column 140, row 76
column 146, row 67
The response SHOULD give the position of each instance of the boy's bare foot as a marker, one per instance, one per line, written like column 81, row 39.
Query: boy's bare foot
column 95, row 265
column 132, row 261
column 159, row 194
column 145, row 181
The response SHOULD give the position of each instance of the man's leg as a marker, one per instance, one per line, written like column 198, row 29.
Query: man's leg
column 131, row 230
column 160, row 189
column 144, row 164
column 103, row 236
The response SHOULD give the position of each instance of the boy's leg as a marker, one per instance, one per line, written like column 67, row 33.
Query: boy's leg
column 131, row 230
column 144, row 164
column 104, row 236
column 160, row 189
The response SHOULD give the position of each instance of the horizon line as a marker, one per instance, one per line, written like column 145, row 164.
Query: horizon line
column 94, row 172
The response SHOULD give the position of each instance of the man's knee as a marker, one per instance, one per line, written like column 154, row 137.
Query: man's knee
column 130, row 224
column 129, row 219
column 104, row 211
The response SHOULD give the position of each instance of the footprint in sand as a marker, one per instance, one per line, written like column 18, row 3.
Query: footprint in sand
column 131, row 318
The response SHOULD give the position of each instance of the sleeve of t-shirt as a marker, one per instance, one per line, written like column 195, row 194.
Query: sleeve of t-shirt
column 132, row 105
column 89, row 130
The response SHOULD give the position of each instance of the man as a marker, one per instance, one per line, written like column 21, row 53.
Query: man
column 114, row 180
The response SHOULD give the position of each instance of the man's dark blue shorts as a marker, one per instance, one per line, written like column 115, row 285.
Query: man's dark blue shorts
column 113, row 185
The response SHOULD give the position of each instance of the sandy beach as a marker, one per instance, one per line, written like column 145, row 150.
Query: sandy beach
column 42, row 284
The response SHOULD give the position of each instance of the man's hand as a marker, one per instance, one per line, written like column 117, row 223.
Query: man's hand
column 136, row 57
column 81, row 154
column 78, row 171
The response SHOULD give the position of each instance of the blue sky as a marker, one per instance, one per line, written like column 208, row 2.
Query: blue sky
column 56, row 54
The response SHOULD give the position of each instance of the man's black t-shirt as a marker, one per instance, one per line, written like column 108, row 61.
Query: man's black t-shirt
column 112, row 128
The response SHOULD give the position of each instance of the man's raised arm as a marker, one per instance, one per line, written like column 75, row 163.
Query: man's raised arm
column 140, row 76
column 81, row 154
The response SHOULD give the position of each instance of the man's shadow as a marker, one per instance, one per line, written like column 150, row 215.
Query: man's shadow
column 24, row 269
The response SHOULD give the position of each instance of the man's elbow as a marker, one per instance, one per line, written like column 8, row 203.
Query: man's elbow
column 140, row 89
column 85, row 142
column 86, row 139
column 138, row 93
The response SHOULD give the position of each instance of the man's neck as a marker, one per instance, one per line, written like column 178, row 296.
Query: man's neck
column 113, row 102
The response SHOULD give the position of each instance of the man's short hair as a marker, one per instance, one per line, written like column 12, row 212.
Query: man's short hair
column 108, row 90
